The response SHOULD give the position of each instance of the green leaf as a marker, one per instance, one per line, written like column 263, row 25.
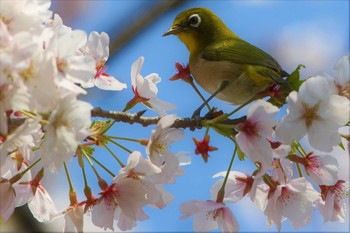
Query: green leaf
column 294, row 79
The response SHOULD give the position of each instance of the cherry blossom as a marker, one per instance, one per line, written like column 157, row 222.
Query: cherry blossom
column 209, row 215
column 38, row 199
column 150, row 176
column 14, row 96
column 39, row 78
column 7, row 200
column 335, row 201
column 145, row 90
column 68, row 124
column 339, row 79
column 237, row 186
column 253, row 133
column 10, row 178
column 26, row 15
column 71, row 65
column 161, row 137
column 23, row 138
column 97, row 48
column 124, row 200
column 74, row 219
column 322, row 169
column 314, row 111
column 294, row 200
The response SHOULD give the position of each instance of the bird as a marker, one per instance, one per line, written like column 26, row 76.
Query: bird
column 222, row 63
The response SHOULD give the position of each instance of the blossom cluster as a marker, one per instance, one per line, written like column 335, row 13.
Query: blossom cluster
column 45, row 67
column 279, row 187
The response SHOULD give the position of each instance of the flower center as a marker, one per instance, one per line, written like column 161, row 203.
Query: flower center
column 310, row 114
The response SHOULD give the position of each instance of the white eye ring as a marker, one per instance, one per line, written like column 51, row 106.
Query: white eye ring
column 194, row 20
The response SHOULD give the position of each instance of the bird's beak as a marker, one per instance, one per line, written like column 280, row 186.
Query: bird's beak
column 173, row 30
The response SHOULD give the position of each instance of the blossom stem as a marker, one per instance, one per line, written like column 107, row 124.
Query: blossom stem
column 221, row 193
column 28, row 114
column 114, row 156
column 240, row 107
column 199, row 94
column 299, row 169
column 32, row 116
column 19, row 175
column 81, row 164
column 299, row 148
column 71, row 189
column 119, row 145
column 110, row 126
column 101, row 165
column 122, row 138
column 207, row 130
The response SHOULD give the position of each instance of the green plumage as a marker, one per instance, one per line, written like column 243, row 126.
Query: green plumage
column 217, row 54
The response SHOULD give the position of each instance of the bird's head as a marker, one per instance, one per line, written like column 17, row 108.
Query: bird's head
column 197, row 28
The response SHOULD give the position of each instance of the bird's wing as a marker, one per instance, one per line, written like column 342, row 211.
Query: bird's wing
column 241, row 52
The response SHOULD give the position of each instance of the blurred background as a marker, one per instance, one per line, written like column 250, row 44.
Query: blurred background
column 313, row 33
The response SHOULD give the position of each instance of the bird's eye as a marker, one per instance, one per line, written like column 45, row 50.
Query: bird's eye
column 194, row 20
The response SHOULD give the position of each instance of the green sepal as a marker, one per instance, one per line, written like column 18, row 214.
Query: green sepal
column 99, row 127
column 88, row 150
column 341, row 146
column 223, row 130
column 240, row 153
column 294, row 79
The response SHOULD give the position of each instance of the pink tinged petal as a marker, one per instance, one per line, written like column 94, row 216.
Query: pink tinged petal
column 297, row 201
column 323, row 170
column 323, row 135
column 124, row 223
column 204, row 222
column 105, row 82
column 227, row 221
column 155, row 79
column 263, row 113
column 130, row 196
column 97, row 46
column 339, row 109
column 80, row 69
column 147, row 89
column 102, row 214
column 326, row 208
column 70, row 42
column 166, row 121
column 234, row 188
column 342, row 70
column 336, row 202
column 207, row 215
column 42, row 206
column 135, row 71
column 74, row 219
column 7, row 200
column 256, row 148
column 314, row 90
column 139, row 165
column 24, row 194
column 273, row 209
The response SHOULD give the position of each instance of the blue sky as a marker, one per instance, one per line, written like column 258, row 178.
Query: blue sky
column 314, row 33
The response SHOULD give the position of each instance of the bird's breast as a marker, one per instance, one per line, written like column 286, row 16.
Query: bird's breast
column 209, row 75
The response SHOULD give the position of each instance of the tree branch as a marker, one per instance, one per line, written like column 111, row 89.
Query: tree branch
column 131, row 118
